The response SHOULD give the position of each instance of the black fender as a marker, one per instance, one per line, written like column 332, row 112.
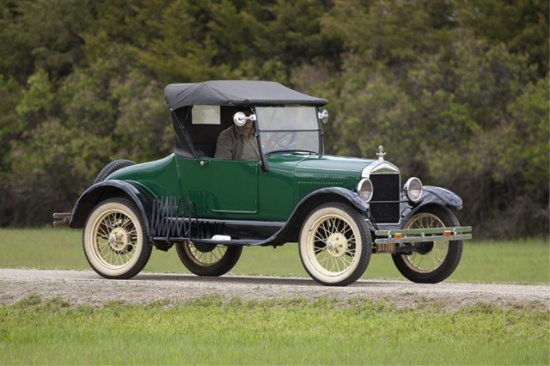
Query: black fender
column 109, row 189
column 432, row 195
column 331, row 194
column 289, row 232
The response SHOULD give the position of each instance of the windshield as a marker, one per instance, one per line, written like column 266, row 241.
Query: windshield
column 291, row 128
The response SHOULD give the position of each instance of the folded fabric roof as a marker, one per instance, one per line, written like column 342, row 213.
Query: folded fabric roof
column 235, row 92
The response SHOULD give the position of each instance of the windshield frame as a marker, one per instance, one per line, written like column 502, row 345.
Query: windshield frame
column 277, row 135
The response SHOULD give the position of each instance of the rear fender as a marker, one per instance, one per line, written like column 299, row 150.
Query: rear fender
column 109, row 189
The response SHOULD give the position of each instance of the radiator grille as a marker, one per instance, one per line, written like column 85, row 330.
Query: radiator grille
column 384, row 205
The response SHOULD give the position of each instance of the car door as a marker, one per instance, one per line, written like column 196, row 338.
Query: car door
column 232, row 187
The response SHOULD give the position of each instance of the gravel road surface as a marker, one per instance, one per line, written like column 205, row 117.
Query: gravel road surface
column 88, row 288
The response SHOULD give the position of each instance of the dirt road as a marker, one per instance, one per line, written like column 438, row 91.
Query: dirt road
column 86, row 287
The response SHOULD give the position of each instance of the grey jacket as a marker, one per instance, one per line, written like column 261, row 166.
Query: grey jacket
column 230, row 144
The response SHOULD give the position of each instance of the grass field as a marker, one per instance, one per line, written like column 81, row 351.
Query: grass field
column 208, row 330
column 524, row 261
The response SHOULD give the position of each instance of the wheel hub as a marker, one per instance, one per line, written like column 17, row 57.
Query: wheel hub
column 119, row 240
column 337, row 245
column 424, row 248
column 205, row 248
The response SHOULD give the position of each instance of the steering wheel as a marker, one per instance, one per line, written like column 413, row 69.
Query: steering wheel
column 281, row 141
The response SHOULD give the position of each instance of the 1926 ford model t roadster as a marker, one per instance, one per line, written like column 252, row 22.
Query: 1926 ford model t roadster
column 340, row 210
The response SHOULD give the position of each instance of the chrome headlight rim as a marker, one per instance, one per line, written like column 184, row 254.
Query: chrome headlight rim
column 413, row 189
column 365, row 189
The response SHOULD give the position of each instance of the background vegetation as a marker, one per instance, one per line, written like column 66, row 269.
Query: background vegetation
column 456, row 90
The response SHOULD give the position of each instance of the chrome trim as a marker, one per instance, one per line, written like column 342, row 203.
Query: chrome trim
column 240, row 118
column 380, row 153
column 360, row 186
column 379, row 167
column 323, row 116
column 407, row 185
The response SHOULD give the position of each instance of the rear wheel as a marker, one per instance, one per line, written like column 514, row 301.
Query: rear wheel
column 114, row 239
column 335, row 245
column 431, row 262
column 208, row 259
column 112, row 167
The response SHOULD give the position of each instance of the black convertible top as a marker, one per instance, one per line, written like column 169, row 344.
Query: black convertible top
column 235, row 93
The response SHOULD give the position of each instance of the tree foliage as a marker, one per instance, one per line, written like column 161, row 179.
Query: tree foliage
column 456, row 90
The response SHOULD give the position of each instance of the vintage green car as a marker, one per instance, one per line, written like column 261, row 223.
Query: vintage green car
column 339, row 210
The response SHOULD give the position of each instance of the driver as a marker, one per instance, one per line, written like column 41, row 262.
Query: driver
column 238, row 143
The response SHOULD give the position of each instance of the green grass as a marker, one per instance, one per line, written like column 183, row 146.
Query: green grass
column 210, row 330
column 321, row 332
column 522, row 261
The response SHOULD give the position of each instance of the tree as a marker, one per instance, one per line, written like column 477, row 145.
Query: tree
column 45, row 34
column 456, row 91
column 10, row 129
column 521, row 25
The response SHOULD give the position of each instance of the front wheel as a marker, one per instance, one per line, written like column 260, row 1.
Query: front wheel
column 335, row 245
column 114, row 239
column 430, row 262
column 208, row 259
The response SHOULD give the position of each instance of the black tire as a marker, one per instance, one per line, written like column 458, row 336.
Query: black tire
column 112, row 167
column 208, row 259
column 435, row 261
column 114, row 239
column 335, row 244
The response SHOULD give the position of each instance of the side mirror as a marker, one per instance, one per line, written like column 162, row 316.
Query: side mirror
column 323, row 116
column 240, row 118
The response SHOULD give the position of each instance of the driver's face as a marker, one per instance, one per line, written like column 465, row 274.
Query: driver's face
column 245, row 129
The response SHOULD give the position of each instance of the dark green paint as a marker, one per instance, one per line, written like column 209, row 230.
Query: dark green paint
column 159, row 177
column 227, row 189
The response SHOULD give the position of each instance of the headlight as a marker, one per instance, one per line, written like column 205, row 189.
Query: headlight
column 413, row 189
column 365, row 190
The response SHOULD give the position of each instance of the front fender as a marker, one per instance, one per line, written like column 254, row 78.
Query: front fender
column 290, row 230
column 440, row 196
column 109, row 189
column 432, row 195
column 331, row 194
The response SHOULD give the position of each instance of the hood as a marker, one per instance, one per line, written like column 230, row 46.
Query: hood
column 311, row 172
column 331, row 167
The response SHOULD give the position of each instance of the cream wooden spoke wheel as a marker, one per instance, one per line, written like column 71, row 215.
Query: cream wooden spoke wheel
column 335, row 244
column 208, row 259
column 114, row 240
column 430, row 262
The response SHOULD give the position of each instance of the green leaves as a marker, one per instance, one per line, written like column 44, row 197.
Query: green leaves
column 456, row 91
column 37, row 100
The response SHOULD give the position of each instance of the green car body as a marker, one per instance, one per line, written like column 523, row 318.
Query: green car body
column 236, row 189
column 339, row 209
